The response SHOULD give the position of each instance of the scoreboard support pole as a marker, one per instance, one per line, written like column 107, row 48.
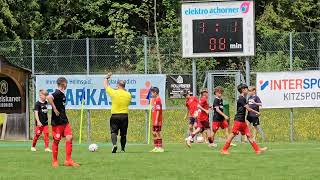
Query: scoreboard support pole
column 194, row 77
column 248, row 71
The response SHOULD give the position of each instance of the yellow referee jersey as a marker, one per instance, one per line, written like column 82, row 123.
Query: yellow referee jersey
column 120, row 100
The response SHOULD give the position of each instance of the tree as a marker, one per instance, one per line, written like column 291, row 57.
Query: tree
column 19, row 19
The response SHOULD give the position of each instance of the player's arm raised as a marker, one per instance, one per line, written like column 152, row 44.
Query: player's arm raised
column 221, row 113
column 54, row 108
column 251, row 110
column 110, row 91
column 106, row 80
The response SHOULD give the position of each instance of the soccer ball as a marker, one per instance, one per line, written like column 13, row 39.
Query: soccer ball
column 93, row 147
column 200, row 139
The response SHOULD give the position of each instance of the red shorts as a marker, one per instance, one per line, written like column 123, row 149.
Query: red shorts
column 219, row 124
column 156, row 128
column 40, row 129
column 203, row 124
column 60, row 131
column 241, row 127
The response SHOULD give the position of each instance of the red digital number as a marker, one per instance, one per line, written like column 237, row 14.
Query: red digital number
column 202, row 27
column 222, row 44
column 234, row 26
column 212, row 44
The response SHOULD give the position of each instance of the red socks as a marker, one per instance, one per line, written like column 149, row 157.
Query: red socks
column 160, row 143
column 255, row 146
column 35, row 139
column 226, row 146
column 68, row 150
column 46, row 140
column 55, row 145
column 157, row 142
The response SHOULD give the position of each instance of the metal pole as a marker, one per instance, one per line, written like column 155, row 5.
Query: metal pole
column 147, row 126
column 33, row 81
column 248, row 71
column 32, row 55
column 145, row 49
column 88, row 72
column 291, row 109
column 291, row 52
column 318, row 47
column 194, row 77
column 27, row 109
column 210, row 87
column 88, row 55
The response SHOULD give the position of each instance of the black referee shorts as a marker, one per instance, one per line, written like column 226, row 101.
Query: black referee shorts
column 119, row 122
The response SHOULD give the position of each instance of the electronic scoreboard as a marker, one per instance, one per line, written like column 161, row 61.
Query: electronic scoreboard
column 218, row 29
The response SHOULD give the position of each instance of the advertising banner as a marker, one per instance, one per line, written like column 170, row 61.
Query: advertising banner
column 289, row 89
column 177, row 83
column 95, row 95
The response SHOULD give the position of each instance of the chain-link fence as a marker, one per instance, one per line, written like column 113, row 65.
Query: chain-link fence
column 139, row 56
column 273, row 52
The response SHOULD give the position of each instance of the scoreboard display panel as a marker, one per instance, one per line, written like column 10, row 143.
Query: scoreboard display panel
column 218, row 29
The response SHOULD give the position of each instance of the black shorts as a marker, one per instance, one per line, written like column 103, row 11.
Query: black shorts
column 119, row 122
column 192, row 120
column 253, row 120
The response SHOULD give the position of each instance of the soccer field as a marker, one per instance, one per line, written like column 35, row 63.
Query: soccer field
column 281, row 161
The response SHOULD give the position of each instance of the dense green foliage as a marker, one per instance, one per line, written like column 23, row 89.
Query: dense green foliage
column 282, row 161
column 126, row 19
column 56, row 19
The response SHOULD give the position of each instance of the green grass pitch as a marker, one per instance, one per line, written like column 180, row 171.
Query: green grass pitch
column 282, row 161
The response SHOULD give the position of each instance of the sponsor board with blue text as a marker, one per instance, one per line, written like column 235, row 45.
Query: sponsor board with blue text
column 289, row 89
column 91, row 88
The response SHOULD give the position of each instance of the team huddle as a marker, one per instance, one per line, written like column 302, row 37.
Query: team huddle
column 198, row 113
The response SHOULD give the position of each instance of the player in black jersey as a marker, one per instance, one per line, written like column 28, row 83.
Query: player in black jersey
column 219, row 119
column 60, row 124
column 41, row 121
column 254, row 103
column 239, row 122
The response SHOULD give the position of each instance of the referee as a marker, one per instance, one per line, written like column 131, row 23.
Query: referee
column 119, row 109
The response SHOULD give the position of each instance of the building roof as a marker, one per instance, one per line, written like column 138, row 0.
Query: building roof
column 4, row 60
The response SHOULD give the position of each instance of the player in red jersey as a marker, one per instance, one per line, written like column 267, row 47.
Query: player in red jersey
column 239, row 123
column 192, row 106
column 202, row 120
column 60, row 123
column 41, row 118
column 156, row 120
